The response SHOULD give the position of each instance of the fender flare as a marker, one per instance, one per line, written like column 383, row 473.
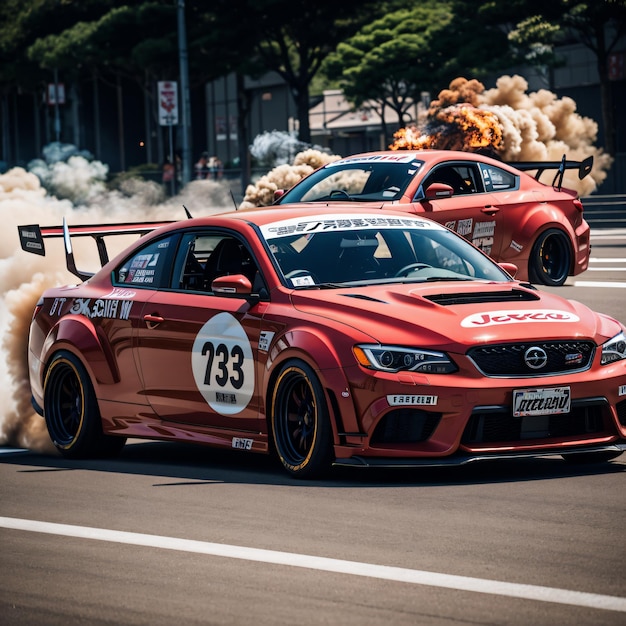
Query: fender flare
column 301, row 344
column 534, row 225
column 77, row 335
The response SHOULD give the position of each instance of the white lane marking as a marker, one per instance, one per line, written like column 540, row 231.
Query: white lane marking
column 12, row 450
column 355, row 568
column 593, row 283
column 606, row 260
column 606, row 269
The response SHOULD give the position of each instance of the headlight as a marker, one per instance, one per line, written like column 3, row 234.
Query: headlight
column 397, row 359
column 614, row 349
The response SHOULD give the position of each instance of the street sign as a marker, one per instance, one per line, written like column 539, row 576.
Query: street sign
column 168, row 103
column 55, row 93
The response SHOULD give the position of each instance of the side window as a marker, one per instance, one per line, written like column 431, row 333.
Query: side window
column 496, row 179
column 191, row 263
column 150, row 266
column 462, row 178
column 205, row 256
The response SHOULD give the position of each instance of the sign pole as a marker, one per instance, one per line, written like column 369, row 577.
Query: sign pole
column 172, row 162
column 168, row 116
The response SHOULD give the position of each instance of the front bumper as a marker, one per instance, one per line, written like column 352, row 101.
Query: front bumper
column 465, row 459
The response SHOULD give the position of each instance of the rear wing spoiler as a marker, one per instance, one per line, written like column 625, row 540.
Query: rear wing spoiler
column 32, row 238
column 583, row 167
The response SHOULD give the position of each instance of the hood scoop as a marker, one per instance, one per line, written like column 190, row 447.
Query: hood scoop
column 480, row 297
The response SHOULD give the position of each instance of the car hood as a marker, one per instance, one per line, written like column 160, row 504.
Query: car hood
column 453, row 316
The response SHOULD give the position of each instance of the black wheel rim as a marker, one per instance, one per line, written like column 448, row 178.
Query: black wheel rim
column 295, row 418
column 65, row 406
column 555, row 258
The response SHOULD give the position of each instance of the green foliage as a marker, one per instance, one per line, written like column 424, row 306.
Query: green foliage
column 410, row 50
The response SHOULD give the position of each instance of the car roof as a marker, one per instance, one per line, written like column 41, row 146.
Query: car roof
column 261, row 216
column 428, row 156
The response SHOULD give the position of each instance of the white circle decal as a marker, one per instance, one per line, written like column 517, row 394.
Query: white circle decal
column 222, row 364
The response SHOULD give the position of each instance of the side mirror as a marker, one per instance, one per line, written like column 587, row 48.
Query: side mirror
column 437, row 191
column 236, row 285
column 278, row 194
column 509, row 268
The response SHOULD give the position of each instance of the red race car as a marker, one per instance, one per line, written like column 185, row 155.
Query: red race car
column 332, row 336
column 503, row 210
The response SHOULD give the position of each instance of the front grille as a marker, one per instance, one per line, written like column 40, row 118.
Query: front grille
column 508, row 359
column 405, row 426
column 621, row 412
column 500, row 426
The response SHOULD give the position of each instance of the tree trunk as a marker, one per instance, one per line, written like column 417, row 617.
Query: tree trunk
column 606, row 96
column 243, row 140
column 301, row 97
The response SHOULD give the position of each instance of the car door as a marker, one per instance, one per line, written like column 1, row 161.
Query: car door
column 197, row 350
column 471, row 211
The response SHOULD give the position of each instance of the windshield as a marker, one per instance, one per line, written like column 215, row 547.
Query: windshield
column 357, row 250
column 363, row 179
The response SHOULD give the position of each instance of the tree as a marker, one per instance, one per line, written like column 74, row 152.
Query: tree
column 599, row 25
column 420, row 48
column 293, row 38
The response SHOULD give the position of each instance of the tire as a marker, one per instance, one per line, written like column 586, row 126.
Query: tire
column 591, row 457
column 550, row 258
column 300, row 422
column 71, row 411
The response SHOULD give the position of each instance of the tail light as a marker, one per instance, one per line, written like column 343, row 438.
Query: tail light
column 579, row 205
column 38, row 307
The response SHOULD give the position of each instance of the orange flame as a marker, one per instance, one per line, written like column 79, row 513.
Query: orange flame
column 456, row 127
column 455, row 122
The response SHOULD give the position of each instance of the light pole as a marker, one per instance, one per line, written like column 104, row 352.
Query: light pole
column 184, row 90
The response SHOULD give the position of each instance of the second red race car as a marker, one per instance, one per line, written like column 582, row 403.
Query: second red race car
column 499, row 207
column 329, row 335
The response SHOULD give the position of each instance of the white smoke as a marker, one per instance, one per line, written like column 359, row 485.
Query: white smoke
column 65, row 184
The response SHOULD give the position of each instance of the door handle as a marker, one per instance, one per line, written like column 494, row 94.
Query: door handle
column 490, row 210
column 152, row 320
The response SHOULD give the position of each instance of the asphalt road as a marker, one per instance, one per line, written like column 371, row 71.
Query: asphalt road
column 170, row 533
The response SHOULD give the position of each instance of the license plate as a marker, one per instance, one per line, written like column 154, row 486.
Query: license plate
column 548, row 401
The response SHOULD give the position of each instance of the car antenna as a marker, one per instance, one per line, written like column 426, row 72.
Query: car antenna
column 232, row 195
column 189, row 216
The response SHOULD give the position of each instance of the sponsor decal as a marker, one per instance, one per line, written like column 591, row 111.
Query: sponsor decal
column 483, row 236
column 377, row 158
column 265, row 339
column 622, row 390
column 302, row 281
column 222, row 364
column 450, row 225
column 120, row 292
column 57, row 305
column 412, row 399
column 484, row 229
column 492, row 318
column 110, row 309
column 242, row 444
column 574, row 358
column 297, row 226
column 516, row 246
column 465, row 227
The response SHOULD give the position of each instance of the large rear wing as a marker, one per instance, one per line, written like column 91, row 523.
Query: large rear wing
column 32, row 238
column 583, row 167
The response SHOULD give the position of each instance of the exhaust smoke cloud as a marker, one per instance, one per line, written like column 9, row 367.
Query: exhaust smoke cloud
column 67, row 184
column 511, row 124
